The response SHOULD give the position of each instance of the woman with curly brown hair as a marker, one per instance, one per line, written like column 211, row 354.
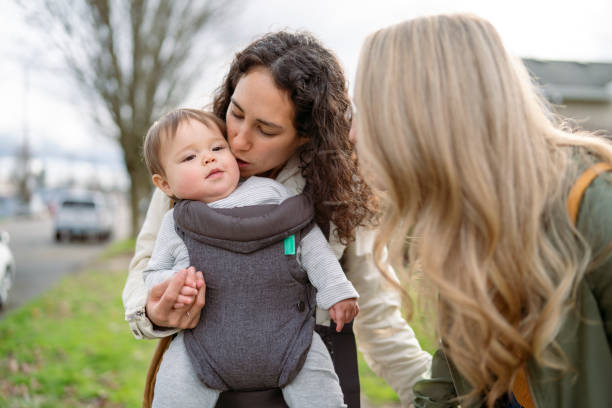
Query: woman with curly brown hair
column 281, row 89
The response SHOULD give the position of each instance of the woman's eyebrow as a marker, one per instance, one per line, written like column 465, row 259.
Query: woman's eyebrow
column 263, row 122
column 270, row 124
column 236, row 104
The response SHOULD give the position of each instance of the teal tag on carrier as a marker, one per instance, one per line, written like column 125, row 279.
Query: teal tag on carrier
column 290, row 245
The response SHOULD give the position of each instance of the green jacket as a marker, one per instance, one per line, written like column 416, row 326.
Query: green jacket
column 585, row 337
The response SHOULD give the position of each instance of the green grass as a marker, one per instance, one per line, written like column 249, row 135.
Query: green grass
column 116, row 248
column 422, row 323
column 374, row 387
column 72, row 348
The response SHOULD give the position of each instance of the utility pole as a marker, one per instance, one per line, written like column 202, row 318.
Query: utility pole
column 24, row 153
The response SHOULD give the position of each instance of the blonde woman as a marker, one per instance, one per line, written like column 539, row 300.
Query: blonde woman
column 476, row 174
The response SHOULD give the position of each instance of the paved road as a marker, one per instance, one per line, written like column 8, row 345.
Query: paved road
column 40, row 261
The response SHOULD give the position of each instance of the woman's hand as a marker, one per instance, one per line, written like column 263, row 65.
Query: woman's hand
column 177, row 302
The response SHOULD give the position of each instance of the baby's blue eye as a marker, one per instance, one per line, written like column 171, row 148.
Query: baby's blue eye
column 217, row 148
column 189, row 158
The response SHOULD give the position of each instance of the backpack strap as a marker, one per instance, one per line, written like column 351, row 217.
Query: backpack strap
column 582, row 183
column 521, row 389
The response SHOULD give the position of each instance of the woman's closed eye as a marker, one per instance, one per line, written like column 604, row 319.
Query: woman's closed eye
column 236, row 114
column 267, row 133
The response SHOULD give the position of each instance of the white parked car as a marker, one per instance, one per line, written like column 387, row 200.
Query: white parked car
column 7, row 268
column 83, row 215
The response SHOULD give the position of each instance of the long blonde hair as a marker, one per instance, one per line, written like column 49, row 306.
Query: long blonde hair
column 474, row 171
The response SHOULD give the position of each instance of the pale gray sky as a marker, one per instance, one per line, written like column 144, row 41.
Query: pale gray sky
column 547, row 29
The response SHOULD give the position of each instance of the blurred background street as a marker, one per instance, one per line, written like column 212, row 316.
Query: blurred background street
column 41, row 260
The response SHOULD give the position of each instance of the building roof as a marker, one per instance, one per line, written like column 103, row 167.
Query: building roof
column 573, row 81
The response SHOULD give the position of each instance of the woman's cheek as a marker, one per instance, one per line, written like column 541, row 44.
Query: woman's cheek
column 230, row 124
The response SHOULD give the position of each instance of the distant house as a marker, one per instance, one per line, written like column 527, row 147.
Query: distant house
column 580, row 91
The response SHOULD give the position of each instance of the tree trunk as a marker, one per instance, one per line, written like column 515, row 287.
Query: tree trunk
column 141, row 185
column 140, row 194
column 134, row 210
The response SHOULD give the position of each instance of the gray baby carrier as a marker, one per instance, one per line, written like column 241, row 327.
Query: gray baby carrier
column 257, row 324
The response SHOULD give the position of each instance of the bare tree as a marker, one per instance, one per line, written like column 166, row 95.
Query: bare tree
column 133, row 59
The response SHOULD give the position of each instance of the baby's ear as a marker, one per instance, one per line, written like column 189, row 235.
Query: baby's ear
column 162, row 184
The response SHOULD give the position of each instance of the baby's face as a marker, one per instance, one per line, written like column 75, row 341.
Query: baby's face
column 198, row 163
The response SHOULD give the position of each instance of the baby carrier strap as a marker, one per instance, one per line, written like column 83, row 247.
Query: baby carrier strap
column 343, row 351
column 244, row 224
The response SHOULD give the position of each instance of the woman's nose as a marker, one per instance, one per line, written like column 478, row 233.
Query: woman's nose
column 241, row 141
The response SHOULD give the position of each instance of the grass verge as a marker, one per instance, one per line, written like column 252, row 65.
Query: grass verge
column 72, row 348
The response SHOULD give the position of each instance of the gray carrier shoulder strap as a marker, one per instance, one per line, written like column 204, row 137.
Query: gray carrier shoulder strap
column 243, row 229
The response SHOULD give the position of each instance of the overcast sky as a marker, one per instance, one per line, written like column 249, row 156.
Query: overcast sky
column 546, row 29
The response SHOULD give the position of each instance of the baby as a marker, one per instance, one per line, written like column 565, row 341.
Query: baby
column 261, row 255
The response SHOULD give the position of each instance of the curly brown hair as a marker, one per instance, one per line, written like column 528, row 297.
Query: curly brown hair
column 315, row 82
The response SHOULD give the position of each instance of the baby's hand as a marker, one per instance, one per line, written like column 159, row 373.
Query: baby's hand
column 344, row 312
column 189, row 291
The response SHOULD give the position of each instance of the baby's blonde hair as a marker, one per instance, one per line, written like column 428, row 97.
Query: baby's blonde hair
column 475, row 173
